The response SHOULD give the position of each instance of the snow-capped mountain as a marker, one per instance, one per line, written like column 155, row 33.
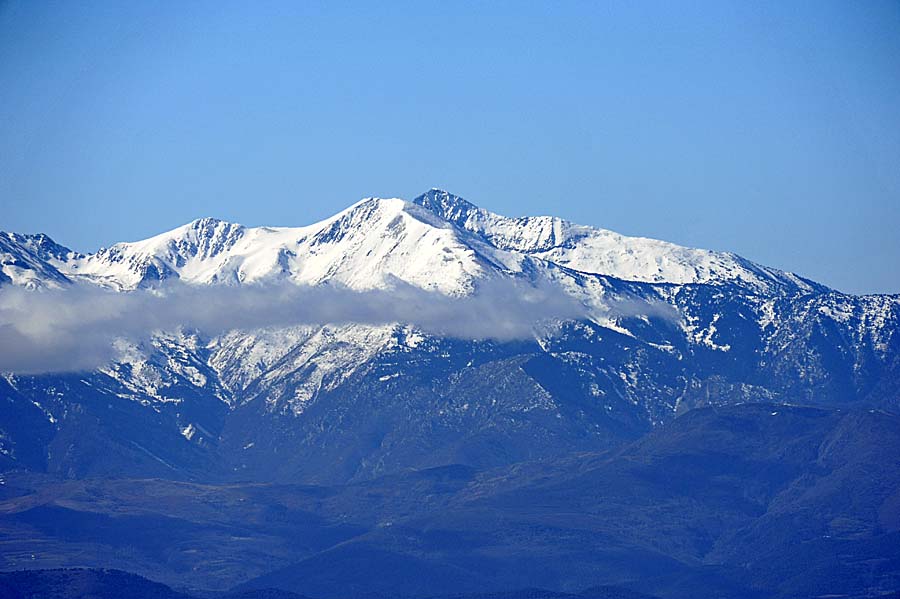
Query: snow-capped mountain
column 363, row 247
column 27, row 261
column 665, row 329
column 603, row 252
column 436, row 241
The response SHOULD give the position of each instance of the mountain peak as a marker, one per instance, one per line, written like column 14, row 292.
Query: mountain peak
column 205, row 222
column 446, row 205
column 29, row 260
column 206, row 227
column 41, row 244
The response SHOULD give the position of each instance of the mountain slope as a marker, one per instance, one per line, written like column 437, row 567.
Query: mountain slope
column 362, row 247
column 757, row 500
column 599, row 251
column 28, row 261
column 748, row 501
column 436, row 241
column 331, row 403
column 702, row 422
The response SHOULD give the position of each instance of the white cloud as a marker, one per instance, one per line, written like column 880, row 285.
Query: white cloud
column 74, row 329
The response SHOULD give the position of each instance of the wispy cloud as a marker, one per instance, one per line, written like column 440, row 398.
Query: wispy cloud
column 75, row 329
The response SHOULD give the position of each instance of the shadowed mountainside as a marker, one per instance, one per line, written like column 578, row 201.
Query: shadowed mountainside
column 745, row 501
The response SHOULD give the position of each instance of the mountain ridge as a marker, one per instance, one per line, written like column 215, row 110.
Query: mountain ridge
column 749, row 501
column 729, row 430
column 129, row 265
column 332, row 402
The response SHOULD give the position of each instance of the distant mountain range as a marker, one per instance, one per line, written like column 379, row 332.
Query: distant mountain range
column 688, row 419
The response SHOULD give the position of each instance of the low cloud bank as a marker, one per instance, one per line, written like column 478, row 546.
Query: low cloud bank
column 75, row 329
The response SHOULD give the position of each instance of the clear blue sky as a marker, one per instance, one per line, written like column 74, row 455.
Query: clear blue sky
column 769, row 129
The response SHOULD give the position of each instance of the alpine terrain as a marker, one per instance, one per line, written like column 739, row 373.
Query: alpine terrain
column 698, row 424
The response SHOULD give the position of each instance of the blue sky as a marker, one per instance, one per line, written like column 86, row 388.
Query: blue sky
column 768, row 129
